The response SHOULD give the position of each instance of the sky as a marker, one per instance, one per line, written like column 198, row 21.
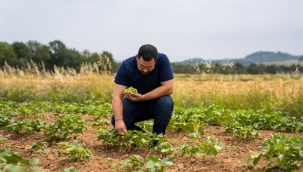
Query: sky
column 208, row 29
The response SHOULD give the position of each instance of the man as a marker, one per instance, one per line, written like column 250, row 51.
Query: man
column 151, row 74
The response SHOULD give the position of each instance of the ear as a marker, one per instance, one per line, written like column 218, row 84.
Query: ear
column 137, row 56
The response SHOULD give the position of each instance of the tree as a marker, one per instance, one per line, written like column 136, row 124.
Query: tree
column 20, row 49
column 72, row 59
column 6, row 53
column 271, row 69
column 252, row 69
column 22, row 52
column 58, row 51
column 37, row 52
column 108, row 55
column 240, row 68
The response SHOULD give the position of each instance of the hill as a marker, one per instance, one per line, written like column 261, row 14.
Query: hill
column 263, row 57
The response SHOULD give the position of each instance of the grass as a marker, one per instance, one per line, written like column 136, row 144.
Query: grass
column 258, row 92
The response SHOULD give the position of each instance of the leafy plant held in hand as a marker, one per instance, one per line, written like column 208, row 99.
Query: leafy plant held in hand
column 131, row 90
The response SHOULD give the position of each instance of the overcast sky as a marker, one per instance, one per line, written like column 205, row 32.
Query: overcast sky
column 209, row 29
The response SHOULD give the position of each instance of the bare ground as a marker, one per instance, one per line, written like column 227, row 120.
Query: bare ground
column 231, row 159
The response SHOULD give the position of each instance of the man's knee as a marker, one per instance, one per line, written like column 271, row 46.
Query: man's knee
column 166, row 102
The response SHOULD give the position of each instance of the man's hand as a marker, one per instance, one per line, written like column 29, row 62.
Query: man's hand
column 120, row 126
column 134, row 97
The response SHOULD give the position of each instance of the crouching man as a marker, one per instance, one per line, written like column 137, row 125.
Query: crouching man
column 151, row 74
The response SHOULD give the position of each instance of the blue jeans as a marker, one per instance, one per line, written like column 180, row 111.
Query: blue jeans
column 159, row 109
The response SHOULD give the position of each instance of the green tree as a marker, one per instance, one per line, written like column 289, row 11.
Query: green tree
column 73, row 59
column 240, row 68
column 58, row 53
column 271, row 69
column 37, row 52
column 21, row 50
column 252, row 69
column 6, row 53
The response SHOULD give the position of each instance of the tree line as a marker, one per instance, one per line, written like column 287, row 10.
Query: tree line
column 18, row 54
column 237, row 68
column 56, row 53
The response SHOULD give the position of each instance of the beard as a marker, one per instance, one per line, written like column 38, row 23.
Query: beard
column 145, row 73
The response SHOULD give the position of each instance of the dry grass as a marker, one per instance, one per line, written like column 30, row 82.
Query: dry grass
column 268, row 92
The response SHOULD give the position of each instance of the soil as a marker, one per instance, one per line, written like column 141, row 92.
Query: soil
column 231, row 159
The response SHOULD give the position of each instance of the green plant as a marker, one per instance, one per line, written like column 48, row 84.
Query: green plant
column 14, row 168
column 246, row 132
column 27, row 126
column 195, row 136
column 76, row 151
column 37, row 147
column 288, row 150
column 137, row 138
column 2, row 139
column 4, row 121
column 187, row 150
column 157, row 165
column 131, row 90
column 210, row 145
column 9, row 160
column 66, row 125
column 135, row 163
column 165, row 147
column 101, row 122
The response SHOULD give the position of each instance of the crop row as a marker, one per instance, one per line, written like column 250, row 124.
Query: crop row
column 187, row 120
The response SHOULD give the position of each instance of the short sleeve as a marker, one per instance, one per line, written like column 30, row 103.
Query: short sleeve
column 121, row 76
column 166, row 72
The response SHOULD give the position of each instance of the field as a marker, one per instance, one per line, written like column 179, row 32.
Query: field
column 218, row 124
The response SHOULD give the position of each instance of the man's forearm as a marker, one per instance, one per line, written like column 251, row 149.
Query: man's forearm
column 158, row 92
column 117, row 107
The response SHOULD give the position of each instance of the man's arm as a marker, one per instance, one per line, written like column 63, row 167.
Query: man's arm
column 166, row 88
column 117, row 107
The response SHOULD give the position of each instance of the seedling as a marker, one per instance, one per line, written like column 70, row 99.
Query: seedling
column 245, row 132
column 101, row 122
column 209, row 146
column 195, row 136
column 37, row 147
column 66, row 125
column 2, row 139
column 8, row 158
column 76, row 151
column 289, row 151
column 137, row 138
column 135, row 163
column 165, row 147
column 158, row 165
column 27, row 126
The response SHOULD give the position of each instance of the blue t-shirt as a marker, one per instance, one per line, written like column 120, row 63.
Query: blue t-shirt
column 129, row 75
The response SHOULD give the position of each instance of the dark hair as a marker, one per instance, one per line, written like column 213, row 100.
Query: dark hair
column 148, row 52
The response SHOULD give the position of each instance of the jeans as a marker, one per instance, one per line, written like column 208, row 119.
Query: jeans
column 159, row 109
